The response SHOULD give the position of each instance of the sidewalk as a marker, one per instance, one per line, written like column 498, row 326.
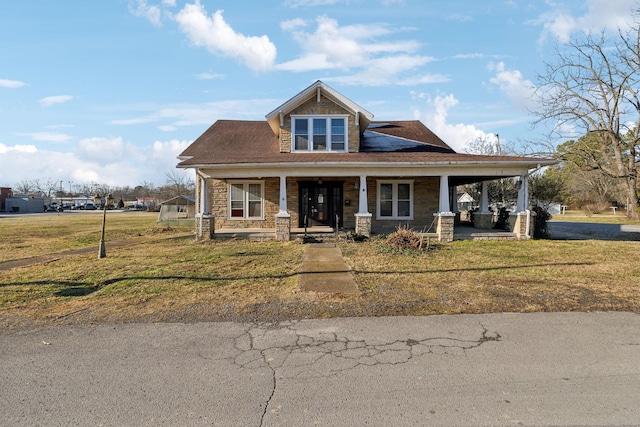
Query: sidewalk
column 324, row 270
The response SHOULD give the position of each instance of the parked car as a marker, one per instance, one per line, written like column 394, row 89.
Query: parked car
column 90, row 206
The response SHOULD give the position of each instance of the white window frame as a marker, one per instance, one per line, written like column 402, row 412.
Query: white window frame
column 394, row 199
column 329, row 142
column 245, row 200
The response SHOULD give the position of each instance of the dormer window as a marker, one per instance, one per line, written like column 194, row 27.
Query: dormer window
column 319, row 133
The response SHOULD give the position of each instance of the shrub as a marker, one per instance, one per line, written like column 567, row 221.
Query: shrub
column 595, row 208
column 540, row 228
column 406, row 239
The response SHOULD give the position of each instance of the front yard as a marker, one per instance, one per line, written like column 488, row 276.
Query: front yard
column 163, row 277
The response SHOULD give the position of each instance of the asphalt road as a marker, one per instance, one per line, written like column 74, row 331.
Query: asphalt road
column 497, row 369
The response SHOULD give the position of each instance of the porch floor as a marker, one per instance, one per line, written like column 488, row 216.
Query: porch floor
column 460, row 232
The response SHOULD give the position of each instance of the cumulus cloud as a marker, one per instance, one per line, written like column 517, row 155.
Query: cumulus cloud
column 11, row 84
column 209, row 76
column 110, row 161
column 213, row 33
column 51, row 100
column 601, row 14
column 359, row 50
column 458, row 135
column 511, row 82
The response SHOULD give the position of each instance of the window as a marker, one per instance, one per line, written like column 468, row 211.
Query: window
column 319, row 133
column 245, row 200
column 395, row 199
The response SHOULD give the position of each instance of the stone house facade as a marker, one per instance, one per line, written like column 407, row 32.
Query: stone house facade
column 320, row 160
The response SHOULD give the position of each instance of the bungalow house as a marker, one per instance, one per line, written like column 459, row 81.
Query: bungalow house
column 320, row 159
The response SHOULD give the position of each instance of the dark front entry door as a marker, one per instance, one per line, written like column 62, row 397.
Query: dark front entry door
column 320, row 203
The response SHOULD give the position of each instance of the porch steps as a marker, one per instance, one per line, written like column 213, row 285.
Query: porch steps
column 499, row 236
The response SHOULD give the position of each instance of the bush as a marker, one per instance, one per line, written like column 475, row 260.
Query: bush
column 406, row 239
column 595, row 208
column 540, row 227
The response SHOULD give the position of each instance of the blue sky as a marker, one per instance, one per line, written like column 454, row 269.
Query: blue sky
column 112, row 91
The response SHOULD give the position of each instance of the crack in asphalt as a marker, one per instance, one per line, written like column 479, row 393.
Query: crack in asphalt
column 279, row 346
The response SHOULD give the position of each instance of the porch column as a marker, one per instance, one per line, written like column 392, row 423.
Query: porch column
column 446, row 218
column 363, row 217
column 520, row 220
column 483, row 218
column 283, row 218
column 484, row 198
column 205, row 222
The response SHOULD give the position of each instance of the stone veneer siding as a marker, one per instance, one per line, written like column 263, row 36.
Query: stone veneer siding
column 426, row 192
column 324, row 107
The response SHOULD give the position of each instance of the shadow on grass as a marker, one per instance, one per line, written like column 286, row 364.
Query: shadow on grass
column 460, row 270
column 75, row 289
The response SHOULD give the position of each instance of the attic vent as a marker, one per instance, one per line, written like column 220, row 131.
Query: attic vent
column 319, row 96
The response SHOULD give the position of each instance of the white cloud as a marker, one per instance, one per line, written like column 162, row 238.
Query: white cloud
column 151, row 13
column 458, row 135
column 4, row 149
column 600, row 14
column 101, row 150
column 180, row 115
column 359, row 50
column 257, row 53
column 513, row 85
column 47, row 136
column 103, row 160
column 209, row 76
column 308, row 3
column 11, row 84
column 51, row 100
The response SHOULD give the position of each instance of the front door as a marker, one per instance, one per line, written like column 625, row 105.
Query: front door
column 320, row 203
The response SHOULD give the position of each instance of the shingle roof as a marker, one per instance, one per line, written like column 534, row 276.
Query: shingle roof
column 229, row 142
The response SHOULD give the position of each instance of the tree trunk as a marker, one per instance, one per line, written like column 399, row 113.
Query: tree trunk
column 632, row 184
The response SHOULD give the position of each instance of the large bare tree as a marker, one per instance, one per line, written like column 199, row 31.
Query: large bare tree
column 593, row 88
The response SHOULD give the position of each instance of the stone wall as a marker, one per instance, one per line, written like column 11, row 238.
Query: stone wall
column 219, row 198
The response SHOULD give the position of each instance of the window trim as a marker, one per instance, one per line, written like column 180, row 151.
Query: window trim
column 394, row 199
column 245, row 200
column 328, row 127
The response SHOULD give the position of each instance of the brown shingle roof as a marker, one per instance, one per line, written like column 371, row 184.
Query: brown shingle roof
column 242, row 142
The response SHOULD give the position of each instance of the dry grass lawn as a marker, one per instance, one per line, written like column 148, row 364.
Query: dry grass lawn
column 163, row 276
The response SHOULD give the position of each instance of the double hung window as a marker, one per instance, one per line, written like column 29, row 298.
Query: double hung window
column 245, row 200
column 395, row 200
column 319, row 133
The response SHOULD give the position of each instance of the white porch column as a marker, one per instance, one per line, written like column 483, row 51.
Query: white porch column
column 363, row 217
column 484, row 198
column 362, row 203
column 204, row 197
column 283, row 217
column 283, row 196
column 444, row 205
column 523, row 194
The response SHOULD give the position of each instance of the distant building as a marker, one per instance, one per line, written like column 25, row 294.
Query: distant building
column 24, row 204
column 5, row 192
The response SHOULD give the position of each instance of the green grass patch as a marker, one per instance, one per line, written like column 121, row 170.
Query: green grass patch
column 158, row 278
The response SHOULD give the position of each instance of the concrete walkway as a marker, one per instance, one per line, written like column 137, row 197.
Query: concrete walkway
column 324, row 270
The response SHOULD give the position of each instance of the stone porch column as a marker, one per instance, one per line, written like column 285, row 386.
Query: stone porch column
column 520, row 220
column 205, row 222
column 483, row 218
column 363, row 217
column 446, row 218
column 283, row 217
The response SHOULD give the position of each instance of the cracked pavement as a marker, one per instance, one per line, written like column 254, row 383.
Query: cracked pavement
column 497, row 369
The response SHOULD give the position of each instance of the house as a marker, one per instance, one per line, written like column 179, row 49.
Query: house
column 320, row 159
column 179, row 210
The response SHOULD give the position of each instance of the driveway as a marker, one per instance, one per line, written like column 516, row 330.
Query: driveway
column 566, row 230
column 496, row 369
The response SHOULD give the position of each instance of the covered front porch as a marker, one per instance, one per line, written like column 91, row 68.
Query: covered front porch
column 328, row 201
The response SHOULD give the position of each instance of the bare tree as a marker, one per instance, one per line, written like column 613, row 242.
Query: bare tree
column 24, row 188
column 593, row 89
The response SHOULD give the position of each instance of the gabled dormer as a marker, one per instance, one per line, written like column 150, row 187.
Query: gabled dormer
column 319, row 119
